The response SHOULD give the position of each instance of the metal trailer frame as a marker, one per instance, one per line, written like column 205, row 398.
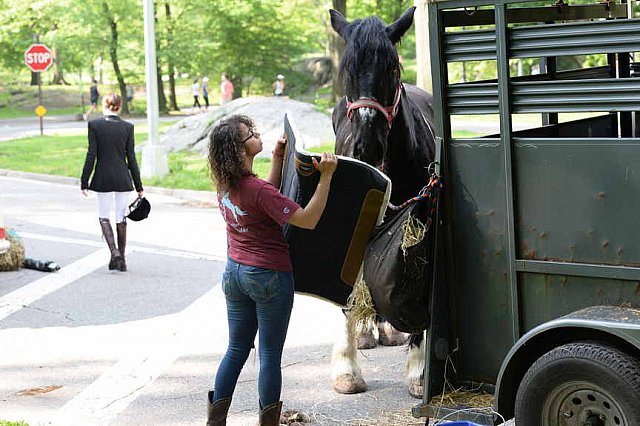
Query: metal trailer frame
column 538, row 226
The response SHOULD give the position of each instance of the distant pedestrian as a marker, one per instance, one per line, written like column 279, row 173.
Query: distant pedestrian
column 258, row 279
column 195, row 90
column 226, row 89
column 112, row 151
column 130, row 93
column 278, row 85
column 94, row 97
column 205, row 91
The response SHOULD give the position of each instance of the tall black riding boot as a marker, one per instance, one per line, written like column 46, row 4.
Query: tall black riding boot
column 107, row 232
column 270, row 415
column 121, row 229
column 217, row 411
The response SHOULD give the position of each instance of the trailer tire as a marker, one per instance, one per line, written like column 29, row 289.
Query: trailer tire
column 580, row 383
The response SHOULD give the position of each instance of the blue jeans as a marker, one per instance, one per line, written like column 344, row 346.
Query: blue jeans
column 257, row 299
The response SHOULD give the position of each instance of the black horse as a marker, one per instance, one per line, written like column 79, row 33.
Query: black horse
column 389, row 125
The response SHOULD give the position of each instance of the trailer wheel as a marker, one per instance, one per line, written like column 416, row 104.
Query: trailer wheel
column 580, row 384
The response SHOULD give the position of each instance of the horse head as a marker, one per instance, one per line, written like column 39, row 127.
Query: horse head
column 370, row 76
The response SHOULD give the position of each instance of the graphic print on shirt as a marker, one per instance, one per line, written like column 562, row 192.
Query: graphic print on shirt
column 235, row 211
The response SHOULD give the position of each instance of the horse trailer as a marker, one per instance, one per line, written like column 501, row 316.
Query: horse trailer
column 538, row 295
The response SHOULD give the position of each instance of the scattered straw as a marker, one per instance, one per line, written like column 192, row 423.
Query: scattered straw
column 360, row 306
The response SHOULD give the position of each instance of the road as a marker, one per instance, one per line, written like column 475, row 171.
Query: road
column 67, row 124
column 89, row 346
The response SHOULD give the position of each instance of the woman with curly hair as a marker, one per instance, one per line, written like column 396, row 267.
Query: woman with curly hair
column 258, row 278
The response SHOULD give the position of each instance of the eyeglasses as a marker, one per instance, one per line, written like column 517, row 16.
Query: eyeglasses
column 251, row 134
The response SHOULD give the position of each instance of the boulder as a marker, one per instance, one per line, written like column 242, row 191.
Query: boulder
column 192, row 133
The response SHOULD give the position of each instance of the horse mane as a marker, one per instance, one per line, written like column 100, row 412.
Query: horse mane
column 368, row 40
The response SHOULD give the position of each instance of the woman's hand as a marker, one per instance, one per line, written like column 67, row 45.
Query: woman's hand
column 85, row 192
column 327, row 165
column 140, row 194
column 281, row 145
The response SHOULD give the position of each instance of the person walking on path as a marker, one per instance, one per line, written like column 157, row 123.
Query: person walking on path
column 112, row 151
column 278, row 85
column 205, row 92
column 94, row 96
column 258, row 278
column 195, row 90
column 226, row 89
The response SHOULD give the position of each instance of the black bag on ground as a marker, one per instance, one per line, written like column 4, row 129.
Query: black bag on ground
column 398, row 279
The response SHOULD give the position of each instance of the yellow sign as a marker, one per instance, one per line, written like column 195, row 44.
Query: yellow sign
column 41, row 111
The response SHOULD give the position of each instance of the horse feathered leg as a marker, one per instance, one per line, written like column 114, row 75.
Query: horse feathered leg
column 366, row 337
column 346, row 375
column 414, row 373
column 389, row 336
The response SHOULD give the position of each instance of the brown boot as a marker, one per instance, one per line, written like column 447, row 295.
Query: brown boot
column 121, row 230
column 270, row 415
column 107, row 233
column 217, row 411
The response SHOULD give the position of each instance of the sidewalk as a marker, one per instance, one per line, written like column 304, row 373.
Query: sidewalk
column 178, row 392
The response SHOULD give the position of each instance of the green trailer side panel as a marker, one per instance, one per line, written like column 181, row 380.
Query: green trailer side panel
column 551, row 296
column 480, row 264
column 577, row 200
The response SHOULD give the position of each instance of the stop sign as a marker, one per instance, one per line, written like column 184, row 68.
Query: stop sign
column 38, row 57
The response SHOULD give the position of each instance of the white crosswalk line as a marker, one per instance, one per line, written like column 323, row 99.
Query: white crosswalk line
column 26, row 295
column 110, row 394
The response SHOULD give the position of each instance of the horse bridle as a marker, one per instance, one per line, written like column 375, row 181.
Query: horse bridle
column 389, row 112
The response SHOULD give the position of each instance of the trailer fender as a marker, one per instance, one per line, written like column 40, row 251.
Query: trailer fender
column 612, row 325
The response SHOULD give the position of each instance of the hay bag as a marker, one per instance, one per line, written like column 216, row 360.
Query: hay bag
column 12, row 259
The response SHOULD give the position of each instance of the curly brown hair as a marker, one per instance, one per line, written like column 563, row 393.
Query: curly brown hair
column 226, row 156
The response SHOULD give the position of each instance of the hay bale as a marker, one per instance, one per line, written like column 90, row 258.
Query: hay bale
column 12, row 259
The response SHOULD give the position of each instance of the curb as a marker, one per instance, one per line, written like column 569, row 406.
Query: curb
column 206, row 198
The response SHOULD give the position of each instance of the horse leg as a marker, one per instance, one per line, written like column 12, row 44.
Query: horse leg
column 366, row 338
column 389, row 336
column 346, row 375
column 414, row 374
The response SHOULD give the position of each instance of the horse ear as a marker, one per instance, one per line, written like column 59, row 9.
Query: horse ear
column 339, row 23
column 396, row 30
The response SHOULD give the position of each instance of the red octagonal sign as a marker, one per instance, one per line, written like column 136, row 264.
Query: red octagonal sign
column 38, row 57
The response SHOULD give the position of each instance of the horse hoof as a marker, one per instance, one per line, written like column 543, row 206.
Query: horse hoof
column 348, row 384
column 389, row 336
column 416, row 390
column 367, row 341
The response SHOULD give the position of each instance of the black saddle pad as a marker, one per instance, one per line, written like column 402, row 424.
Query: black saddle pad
column 327, row 260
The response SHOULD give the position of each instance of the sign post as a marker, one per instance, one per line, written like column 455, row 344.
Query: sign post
column 38, row 58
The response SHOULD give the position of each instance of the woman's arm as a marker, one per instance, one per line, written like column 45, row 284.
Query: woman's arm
column 90, row 159
column 133, row 162
column 277, row 159
column 309, row 216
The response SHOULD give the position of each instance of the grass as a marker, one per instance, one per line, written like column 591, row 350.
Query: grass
column 7, row 423
column 64, row 156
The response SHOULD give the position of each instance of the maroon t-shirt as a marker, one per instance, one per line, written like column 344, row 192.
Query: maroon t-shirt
column 255, row 212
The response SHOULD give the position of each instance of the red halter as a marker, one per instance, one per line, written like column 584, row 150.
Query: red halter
column 389, row 112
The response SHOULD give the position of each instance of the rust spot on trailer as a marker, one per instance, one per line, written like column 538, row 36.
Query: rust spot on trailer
column 605, row 244
column 532, row 228
column 564, row 280
column 619, row 251
column 498, row 252
column 637, row 289
column 590, row 232
column 601, row 195
column 491, row 212
column 543, row 235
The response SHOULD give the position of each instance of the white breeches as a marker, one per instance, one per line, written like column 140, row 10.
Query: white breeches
column 105, row 201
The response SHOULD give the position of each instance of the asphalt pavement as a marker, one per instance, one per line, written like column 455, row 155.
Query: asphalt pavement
column 89, row 346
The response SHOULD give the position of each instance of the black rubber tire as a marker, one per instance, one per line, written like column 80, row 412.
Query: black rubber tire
column 577, row 380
